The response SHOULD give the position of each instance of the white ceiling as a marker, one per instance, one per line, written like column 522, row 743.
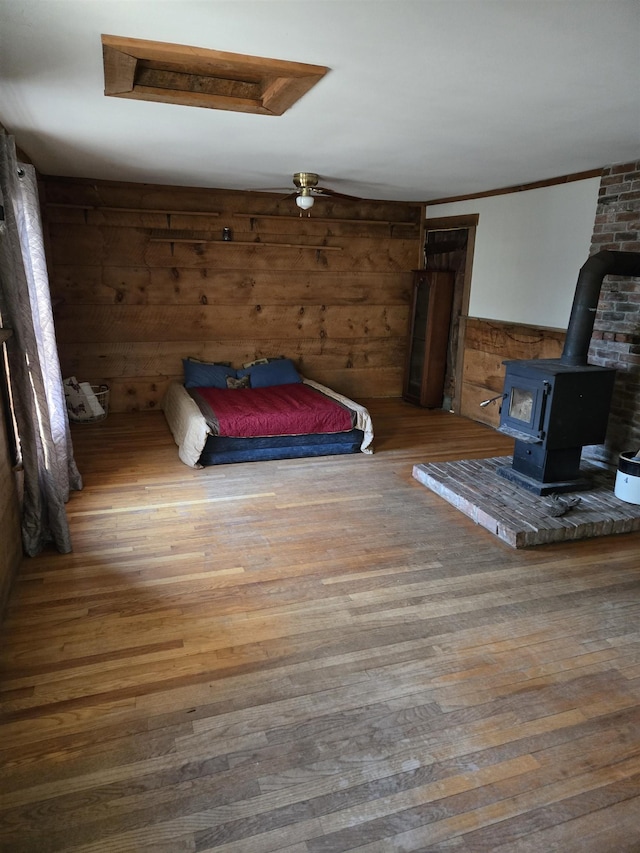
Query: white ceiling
column 425, row 98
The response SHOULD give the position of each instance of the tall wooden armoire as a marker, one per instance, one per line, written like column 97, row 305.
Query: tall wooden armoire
column 426, row 362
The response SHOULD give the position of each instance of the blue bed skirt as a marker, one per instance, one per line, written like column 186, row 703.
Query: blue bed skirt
column 220, row 449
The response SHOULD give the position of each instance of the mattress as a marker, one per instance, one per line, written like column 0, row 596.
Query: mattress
column 221, row 449
column 191, row 433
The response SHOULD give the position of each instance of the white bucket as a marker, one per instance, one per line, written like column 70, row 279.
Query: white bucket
column 627, row 486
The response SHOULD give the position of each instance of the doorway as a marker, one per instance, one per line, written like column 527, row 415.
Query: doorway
column 448, row 247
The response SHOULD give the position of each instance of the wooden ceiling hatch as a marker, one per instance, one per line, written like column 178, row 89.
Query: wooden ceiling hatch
column 197, row 77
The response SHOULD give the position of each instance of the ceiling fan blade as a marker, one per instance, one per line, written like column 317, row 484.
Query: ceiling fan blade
column 335, row 194
column 267, row 189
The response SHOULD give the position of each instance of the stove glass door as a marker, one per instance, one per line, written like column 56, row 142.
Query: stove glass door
column 523, row 410
column 521, row 402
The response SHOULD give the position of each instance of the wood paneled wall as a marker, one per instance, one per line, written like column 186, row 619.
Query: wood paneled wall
column 487, row 344
column 10, row 533
column 140, row 278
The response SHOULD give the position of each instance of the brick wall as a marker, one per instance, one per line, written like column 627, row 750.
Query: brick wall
column 616, row 336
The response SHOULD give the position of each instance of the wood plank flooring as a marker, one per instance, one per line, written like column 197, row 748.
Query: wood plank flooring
column 315, row 656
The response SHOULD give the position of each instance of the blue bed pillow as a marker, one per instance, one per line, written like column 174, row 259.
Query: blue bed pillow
column 282, row 371
column 199, row 374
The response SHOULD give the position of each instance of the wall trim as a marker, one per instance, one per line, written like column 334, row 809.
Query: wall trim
column 550, row 182
column 533, row 326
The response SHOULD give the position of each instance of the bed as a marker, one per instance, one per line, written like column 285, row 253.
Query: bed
column 220, row 415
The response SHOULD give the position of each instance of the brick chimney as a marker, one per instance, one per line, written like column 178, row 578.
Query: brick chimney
column 616, row 337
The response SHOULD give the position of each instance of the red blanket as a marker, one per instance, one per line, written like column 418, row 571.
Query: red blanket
column 295, row 409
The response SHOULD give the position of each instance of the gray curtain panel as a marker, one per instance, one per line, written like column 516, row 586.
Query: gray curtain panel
column 50, row 470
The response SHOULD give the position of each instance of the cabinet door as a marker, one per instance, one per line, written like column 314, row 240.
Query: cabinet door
column 428, row 338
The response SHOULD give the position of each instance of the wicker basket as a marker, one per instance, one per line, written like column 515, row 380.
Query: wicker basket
column 102, row 396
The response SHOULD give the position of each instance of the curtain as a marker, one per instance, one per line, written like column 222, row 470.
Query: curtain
column 35, row 379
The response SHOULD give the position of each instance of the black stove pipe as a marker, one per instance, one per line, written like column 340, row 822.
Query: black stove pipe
column 585, row 300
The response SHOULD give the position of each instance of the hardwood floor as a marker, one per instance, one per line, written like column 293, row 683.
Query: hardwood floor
column 315, row 656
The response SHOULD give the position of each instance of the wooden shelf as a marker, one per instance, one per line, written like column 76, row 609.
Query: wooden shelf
column 386, row 222
column 180, row 240
column 246, row 243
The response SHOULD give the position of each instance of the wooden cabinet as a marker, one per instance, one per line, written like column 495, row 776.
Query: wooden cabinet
column 428, row 338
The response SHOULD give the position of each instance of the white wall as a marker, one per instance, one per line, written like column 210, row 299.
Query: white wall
column 529, row 249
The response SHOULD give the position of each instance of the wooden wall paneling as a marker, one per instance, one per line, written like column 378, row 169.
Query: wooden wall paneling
column 331, row 290
column 135, row 394
column 487, row 344
column 203, row 322
column 131, row 359
column 379, row 255
column 123, row 218
column 516, row 340
column 383, row 381
column 97, row 245
column 108, row 246
column 484, row 369
column 140, row 285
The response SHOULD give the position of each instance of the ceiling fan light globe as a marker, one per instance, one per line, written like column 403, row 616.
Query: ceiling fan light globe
column 304, row 201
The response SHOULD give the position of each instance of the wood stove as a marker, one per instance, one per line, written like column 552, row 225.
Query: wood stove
column 552, row 410
column 553, row 407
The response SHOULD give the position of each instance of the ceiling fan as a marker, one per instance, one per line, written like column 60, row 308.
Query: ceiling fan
column 307, row 190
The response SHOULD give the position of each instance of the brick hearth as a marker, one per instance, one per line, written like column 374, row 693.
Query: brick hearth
column 523, row 519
